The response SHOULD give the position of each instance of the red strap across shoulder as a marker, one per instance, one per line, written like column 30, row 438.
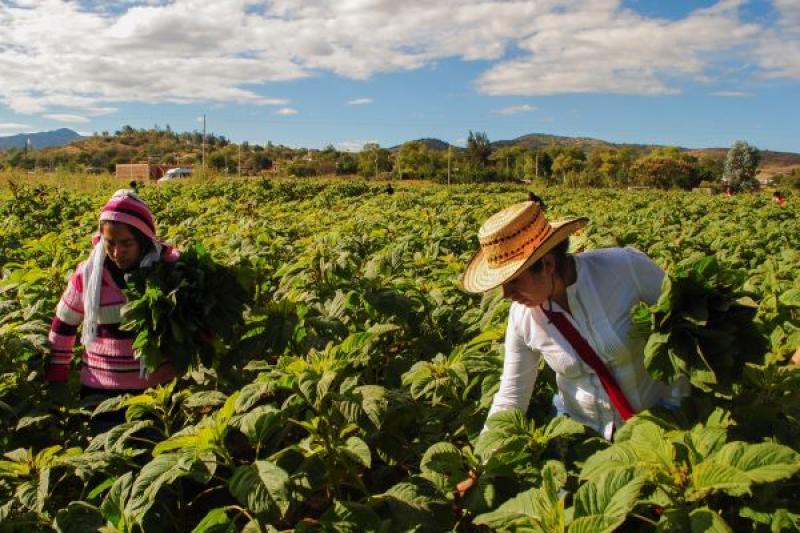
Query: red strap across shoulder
column 590, row 357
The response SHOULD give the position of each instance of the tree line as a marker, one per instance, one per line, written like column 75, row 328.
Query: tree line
column 478, row 161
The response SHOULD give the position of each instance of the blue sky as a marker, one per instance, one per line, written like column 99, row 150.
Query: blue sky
column 312, row 73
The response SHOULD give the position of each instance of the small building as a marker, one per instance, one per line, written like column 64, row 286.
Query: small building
column 144, row 171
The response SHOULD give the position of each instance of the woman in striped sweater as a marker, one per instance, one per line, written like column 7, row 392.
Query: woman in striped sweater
column 126, row 240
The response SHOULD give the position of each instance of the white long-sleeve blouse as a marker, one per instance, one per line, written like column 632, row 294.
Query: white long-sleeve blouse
column 609, row 282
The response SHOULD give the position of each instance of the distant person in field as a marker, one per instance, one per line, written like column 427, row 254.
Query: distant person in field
column 778, row 198
column 125, row 240
column 389, row 189
column 573, row 311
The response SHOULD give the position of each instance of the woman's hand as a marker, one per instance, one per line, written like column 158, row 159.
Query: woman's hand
column 464, row 486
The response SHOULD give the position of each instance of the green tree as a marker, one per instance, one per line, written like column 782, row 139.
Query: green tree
column 372, row 159
column 217, row 160
column 478, row 148
column 710, row 168
column 510, row 161
column 346, row 164
column 416, row 161
column 566, row 167
column 741, row 164
column 664, row 172
column 258, row 161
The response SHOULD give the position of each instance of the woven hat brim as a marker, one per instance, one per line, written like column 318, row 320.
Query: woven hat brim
column 479, row 276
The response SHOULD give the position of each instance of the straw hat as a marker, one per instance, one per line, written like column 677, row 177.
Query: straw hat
column 511, row 241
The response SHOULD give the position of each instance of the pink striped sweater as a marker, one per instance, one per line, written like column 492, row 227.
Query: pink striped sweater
column 108, row 363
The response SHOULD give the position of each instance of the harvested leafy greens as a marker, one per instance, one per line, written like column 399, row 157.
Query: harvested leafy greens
column 701, row 327
column 184, row 312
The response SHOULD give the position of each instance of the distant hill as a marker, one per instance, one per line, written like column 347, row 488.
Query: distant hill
column 433, row 144
column 42, row 139
column 534, row 141
column 771, row 162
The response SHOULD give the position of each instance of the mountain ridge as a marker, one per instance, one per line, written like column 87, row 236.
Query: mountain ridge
column 40, row 139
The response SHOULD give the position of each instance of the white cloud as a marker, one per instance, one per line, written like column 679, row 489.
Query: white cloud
column 14, row 126
column 730, row 93
column 286, row 111
column 85, row 58
column 353, row 145
column 514, row 109
column 360, row 101
column 349, row 146
column 604, row 48
column 778, row 52
column 62, row 117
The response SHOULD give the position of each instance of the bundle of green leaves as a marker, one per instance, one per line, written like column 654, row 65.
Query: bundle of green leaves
column 184, row 312
column 701, row 327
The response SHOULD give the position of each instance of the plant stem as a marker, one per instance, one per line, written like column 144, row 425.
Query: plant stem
column 645, row 519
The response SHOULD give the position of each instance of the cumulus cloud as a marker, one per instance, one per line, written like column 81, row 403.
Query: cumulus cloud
column 605, row 48
column 85, row 58
column 286, row 111
column 778, row 51
column 360, row 101
column 515, row 109
column 62, row 117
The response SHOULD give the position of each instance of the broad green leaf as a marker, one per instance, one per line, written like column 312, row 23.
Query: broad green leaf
column 260, row 423
column 563, row 426
column 262, row 487
column 374, row 402
column 205, row 399
column 706, row 520
column 647, row 448
column 216, row 521
column 536, row 510
column 765, row 462
column 358, row 451
column 778, row 520
column 114, row 503
column 351, row 517
column 117, row 437
column 602, row 505
column 791, row 298
column 416, row 505
column 442, row 458
column 161, row 471
column 703, row 442
column 78, row 517
column 503, row 429
column 516, row 514
column 711, row 476
column 176, row 443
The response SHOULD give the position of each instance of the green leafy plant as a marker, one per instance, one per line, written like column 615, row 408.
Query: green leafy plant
column 179, row 310
column 701, row 327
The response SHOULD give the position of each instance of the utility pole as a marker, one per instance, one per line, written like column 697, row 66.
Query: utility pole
column 204, row 144
column 449, row 150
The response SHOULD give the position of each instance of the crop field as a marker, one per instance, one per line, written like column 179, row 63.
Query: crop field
column 352, row 394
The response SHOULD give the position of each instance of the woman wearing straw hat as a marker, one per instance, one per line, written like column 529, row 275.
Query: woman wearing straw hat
column 572, row 310
column 125, row 241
